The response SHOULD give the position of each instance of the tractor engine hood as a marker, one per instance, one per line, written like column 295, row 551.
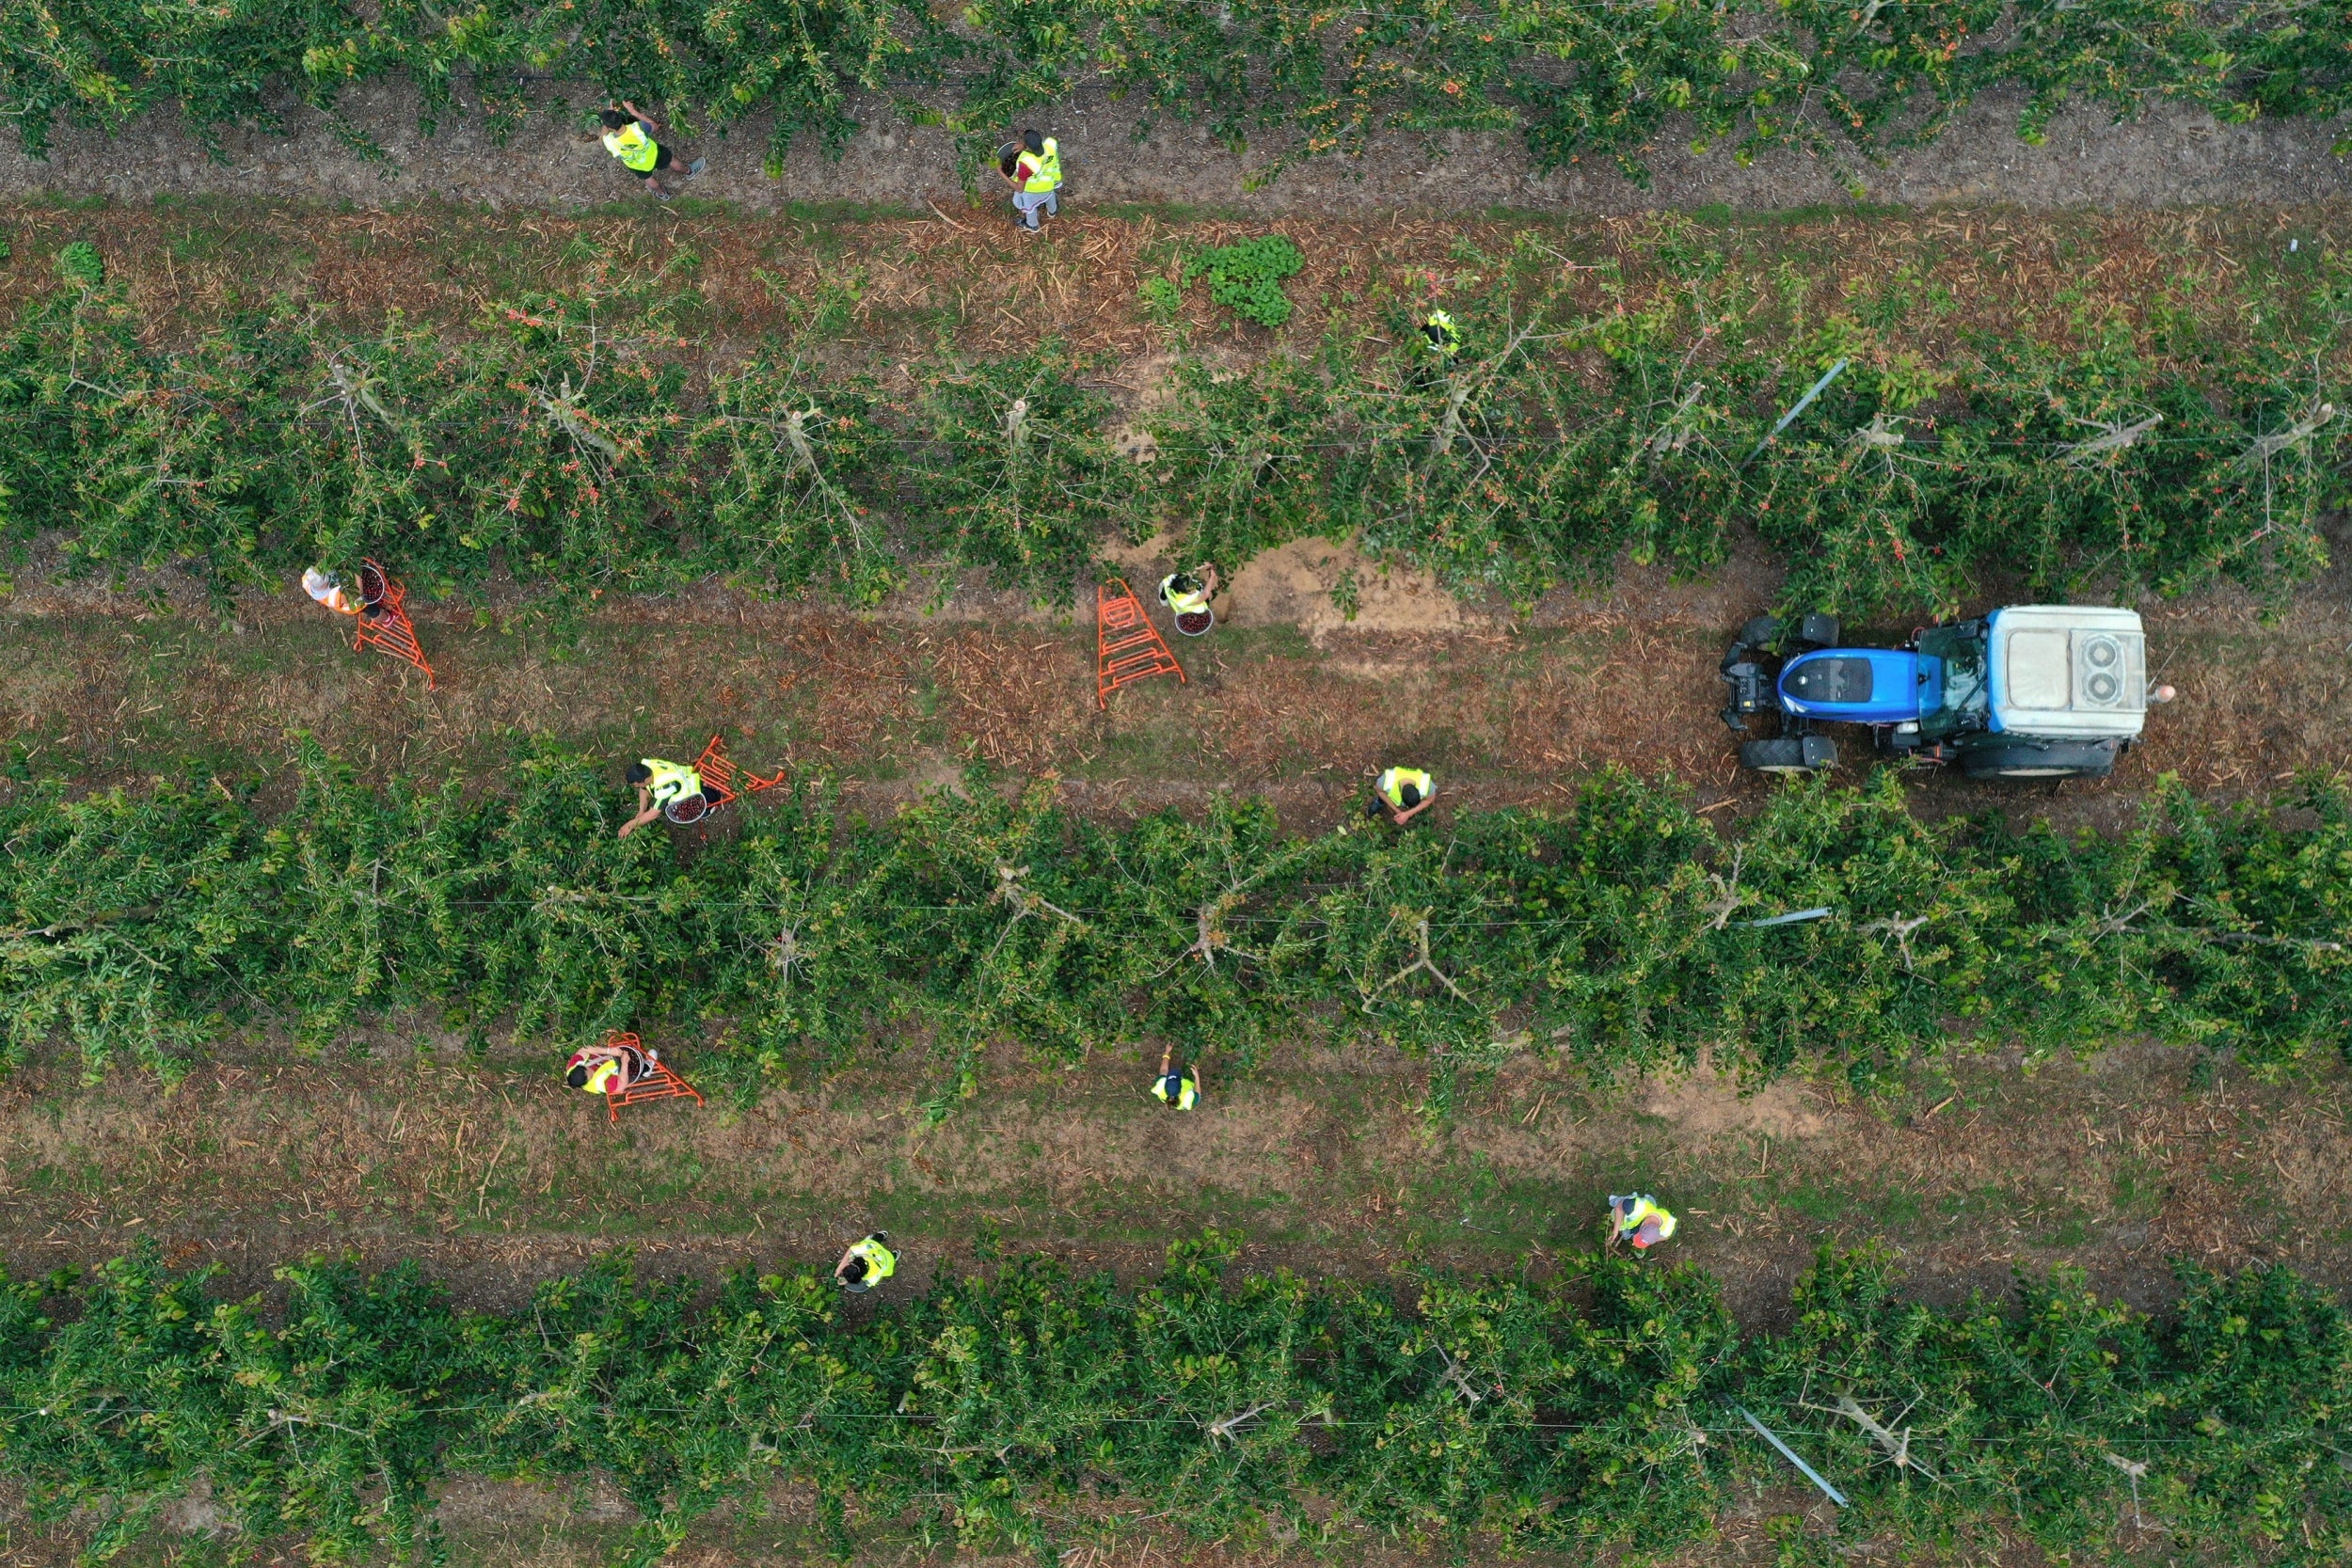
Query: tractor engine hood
column 2067, row 672
column 1859, row 685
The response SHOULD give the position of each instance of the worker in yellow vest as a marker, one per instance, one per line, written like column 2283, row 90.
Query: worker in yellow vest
column 867, row 1264
column 1187, row 595
column 1178, row 1088
column 1034, row 176
column 1402, row 793
column 629, row 135
column 1636, row 1217
column 1443, row 338
column 664, row 788
column 608, row 1068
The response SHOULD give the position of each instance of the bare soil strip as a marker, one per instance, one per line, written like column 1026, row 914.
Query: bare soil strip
column 2167, row 157
column 112, row 691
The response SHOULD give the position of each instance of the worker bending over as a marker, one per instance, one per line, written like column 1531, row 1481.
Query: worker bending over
column 629, row 135
column 608, row 1068
column 1187, row 594
column 1402, row 793
column 1179, row 1089
column 327, row 589
column 1637, row 1218
column 868, row 1263
column 1034, row 176
column 663, row 787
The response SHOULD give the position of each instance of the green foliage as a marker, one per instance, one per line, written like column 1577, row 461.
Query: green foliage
column 1020, row 475
column 1614, row 932
column 551, row 442
column 1590, row 1407
column 547, row 442
column 1561, row 436
column 1247, row 276
column 1575, row 82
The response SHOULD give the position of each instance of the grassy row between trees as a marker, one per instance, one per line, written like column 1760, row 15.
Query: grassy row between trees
column 1621, row 932
column 587, row 442
column 1575, row 81
column 1035, row 1405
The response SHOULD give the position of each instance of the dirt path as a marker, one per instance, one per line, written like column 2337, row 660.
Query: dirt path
column 493, row 1175
column 2168, row 158
column 1287, row 701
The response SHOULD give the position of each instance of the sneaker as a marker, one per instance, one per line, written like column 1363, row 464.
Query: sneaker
column 664, row 195
column 697, row 165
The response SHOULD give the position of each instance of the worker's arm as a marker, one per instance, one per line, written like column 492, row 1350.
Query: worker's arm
column 1401, row 818
column 650, row 123
column 646, row 812
column 843, row 1267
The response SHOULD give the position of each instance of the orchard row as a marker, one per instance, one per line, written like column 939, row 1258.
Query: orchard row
column 583, row 443
column 1623, row 932
column 1605, row 1405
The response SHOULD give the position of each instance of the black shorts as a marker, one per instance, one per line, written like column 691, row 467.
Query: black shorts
column 660, row 160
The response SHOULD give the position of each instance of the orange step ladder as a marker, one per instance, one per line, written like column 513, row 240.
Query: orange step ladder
column 389, row 631
column 1128, row 647
column 720, row 777
column 658, row 1083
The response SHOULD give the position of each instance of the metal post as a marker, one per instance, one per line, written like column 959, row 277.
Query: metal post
column 1790, row 1454
column 1803, row 404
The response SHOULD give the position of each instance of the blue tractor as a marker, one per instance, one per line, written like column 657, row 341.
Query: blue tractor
column 2031, row 692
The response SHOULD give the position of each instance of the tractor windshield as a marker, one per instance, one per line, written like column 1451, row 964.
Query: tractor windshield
column 1952, row 661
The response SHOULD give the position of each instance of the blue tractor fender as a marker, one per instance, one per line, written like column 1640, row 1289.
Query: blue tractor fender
column 1859, row 685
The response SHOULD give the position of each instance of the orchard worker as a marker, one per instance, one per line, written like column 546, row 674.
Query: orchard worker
column 1637, row 1218
column 1178, row 1088
column 611, row 1068
column 664, row 787
column 868, row 1263
column 629, row 135
column 1402, row 793
column 1034, row 176
column 1187, row 594
column 1443, row 338
column 327, row 589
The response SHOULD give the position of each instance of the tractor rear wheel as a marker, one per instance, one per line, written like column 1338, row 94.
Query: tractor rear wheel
column 1790, row 753
column 2042, row 759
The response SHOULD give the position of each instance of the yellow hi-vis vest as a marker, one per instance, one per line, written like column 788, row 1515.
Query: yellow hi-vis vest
column 635, row 149
column 1045, row 173
column 1392, row 783
column 1443, row 338
column 1187, row 1090
column 1644, row 1208
column 881, row 1262
column 670, row 781
column 1184, row 601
